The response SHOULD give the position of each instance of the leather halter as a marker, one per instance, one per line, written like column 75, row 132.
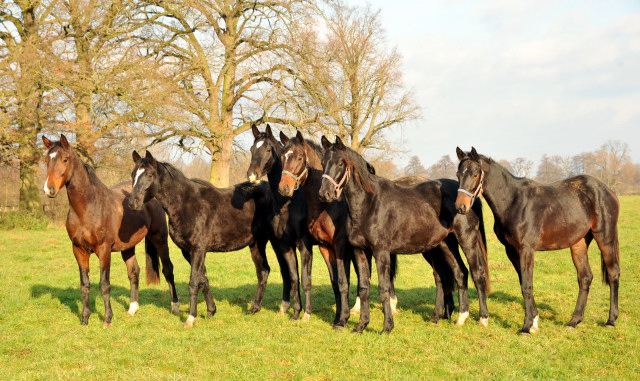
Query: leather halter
column 477, row 192
column 299, row 177
column 338, row 186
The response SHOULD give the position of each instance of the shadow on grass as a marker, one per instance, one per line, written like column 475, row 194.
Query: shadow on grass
column 504, row 298
column 417, row 300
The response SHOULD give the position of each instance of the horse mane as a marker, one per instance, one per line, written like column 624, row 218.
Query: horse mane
column 361, row 173
column 93, row 177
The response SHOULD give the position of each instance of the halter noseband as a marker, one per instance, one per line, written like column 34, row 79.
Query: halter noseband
column 338, row 186
column 297, row 178
column 477, row 192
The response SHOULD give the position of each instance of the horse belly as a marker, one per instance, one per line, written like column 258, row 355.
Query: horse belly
column 323, row 229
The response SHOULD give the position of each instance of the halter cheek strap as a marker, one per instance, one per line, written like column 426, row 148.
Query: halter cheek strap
column 338, row 186
column 477, row 192
column 297, row 178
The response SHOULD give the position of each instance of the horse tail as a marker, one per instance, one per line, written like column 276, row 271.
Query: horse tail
column 153, row 262
column 483, row 245
column 393, row 271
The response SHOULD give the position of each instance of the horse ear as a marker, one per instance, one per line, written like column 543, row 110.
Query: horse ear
column 326, row 144
column 255, row 131
column 150, row 158
column 269, row 132
column 283, row 138
column 339, row 143
column 47, row 143
column 63, row 141
column 474, row 154
column 460, row 153
column 299, row 137
column 136, row 156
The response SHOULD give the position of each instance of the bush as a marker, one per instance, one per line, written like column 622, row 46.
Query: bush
column 26, row 220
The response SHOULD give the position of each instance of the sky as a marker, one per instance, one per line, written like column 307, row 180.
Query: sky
column 517, row 78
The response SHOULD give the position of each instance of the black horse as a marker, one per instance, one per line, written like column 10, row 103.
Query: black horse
column 530, row 217
column 387, row 218
column 204, row 218
column 289, row 214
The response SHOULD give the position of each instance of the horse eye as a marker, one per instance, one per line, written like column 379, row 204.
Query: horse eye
column 65, row 160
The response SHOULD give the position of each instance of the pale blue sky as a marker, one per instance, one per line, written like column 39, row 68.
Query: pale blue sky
column 518, row 78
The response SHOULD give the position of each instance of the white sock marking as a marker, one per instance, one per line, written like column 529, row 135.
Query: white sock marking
column 462, row 318
column 356, row 306
column 133, row 307
column 484, row 322
column 138, row 173
column 191, row 319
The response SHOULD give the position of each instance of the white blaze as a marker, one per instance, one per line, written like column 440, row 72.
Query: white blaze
column 52, row 155
column 259, row 144
column 286, row 155
column 45, row 188
column 138, row 173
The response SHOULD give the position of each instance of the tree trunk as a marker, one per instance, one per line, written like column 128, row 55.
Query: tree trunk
column 221, row 163
column 29, row 189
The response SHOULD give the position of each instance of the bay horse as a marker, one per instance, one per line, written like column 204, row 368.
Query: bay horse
column 326, row 222
column 100, row 221
column 205, row 218
column 533, row 217
column 388, row 218
column 289, row 216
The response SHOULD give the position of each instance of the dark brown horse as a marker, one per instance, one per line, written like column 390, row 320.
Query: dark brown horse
column 532, row 217
column 100, row 221
column 387, row 218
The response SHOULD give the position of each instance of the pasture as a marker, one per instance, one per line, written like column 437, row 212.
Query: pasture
column 42, row 338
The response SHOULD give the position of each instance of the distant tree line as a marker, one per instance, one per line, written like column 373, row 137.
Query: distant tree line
column 611, row 164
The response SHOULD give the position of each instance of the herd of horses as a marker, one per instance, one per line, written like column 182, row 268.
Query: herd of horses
column 328, row 195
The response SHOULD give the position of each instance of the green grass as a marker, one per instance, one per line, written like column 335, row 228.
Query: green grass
column 42, row 338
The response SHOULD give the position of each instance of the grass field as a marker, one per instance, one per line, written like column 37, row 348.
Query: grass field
column 42, row 338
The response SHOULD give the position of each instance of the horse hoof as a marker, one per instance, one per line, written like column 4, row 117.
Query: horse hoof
column 569, row 326
column 610, row 325
column 337, row 327
column 133, row 308
column 106, row 325
column 175, row 308
column 306, row 317
column 484, row 322
column 462, row 318
column 524, row 333
column 189, row 322
column 534, row 327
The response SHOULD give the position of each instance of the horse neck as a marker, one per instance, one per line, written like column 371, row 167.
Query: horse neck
column 499, row 189
column 311, row 186
column 356, row 197
column 81, row 191
column 274, row 174
column 170, row 191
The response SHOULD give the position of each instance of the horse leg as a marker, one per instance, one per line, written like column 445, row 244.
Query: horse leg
column 438, row 307
column 330, row 259
column 470, row 243
column 206, row 292
column 609, row 248
column 361, row 262
column 585, row 276
column 460, row 274
column 393, row 299
column 82, row 257
column 382, row 265
column 290, row 262
column 356, row 306
column 343, row 264
column 285, row 271
column 160, row 242
column 259, row 258
column 104, row 256
column 531, row 315
column 195, row 283
column 306, row 260
column 514, row 257
column 133, row 272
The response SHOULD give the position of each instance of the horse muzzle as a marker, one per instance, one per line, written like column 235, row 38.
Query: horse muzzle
column 462, row 205
column 135, row 204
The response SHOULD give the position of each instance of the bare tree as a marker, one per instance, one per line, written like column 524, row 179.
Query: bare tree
column 550, row 169
column 443, row 169
column 224, row 56
column 415, row 168
column 351, row 81
column 611, row 164
column 522, row 167
column 24, row 60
